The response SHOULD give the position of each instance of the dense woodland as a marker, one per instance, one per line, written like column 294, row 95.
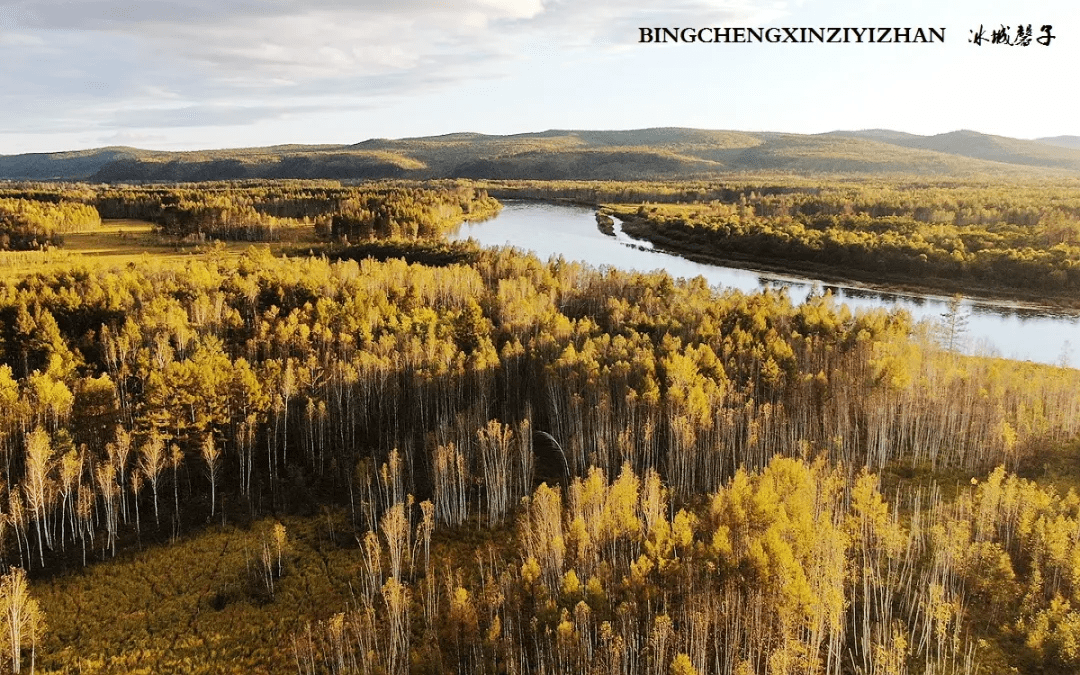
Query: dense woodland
column 27, row 224
column 349, row 457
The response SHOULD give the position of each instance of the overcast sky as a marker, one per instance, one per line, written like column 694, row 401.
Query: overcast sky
column 229, row 73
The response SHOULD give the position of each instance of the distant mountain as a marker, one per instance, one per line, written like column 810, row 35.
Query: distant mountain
column 1062, row 141
column 62, row 165
column 972, row 144
column 654, row 154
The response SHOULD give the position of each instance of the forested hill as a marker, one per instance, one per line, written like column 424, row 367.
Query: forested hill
column 663, row 153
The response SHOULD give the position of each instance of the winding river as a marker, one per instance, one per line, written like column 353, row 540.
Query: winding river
column 1002, row 328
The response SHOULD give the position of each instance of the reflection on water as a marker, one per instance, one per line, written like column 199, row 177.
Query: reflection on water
column 1008, row 329
column 883, row 297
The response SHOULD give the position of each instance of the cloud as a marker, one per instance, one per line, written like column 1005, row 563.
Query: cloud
column 133, row 138
column 279, row 41
column 115, row 64
column 198, row 46
column 198, row 116
column 599, row 23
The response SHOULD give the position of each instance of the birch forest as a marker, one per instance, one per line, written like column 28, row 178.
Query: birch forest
column 388, row 454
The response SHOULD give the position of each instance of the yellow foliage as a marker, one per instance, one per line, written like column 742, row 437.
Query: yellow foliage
column 594, row 590
column 571, row 585
column 640, row 569
column 683, row 530
column 530, row 570
column 495, row 631
column 682, row 665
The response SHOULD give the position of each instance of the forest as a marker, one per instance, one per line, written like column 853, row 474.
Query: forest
column 391, row 454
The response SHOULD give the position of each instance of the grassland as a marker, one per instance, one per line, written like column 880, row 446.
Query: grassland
column 121, row 242
column 197, row 605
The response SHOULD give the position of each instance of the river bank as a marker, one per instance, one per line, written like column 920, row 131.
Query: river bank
column 678, row 243
column 1011, row 328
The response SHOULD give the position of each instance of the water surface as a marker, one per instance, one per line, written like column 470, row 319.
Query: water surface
column 1011, row 329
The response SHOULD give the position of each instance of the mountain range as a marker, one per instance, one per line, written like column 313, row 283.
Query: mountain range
column 652, row 154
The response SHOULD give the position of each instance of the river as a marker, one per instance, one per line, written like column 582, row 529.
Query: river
column 995, row 327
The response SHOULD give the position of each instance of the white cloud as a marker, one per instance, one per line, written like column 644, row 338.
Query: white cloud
column 133, row 138
column 273, row 42
column 21, row 40
column 593, row 23
column 110, row 66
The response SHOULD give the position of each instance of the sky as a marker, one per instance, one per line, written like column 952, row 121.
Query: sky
column 199, row 74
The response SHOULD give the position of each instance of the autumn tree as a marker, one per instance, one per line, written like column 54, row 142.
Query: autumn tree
column 22, row 623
